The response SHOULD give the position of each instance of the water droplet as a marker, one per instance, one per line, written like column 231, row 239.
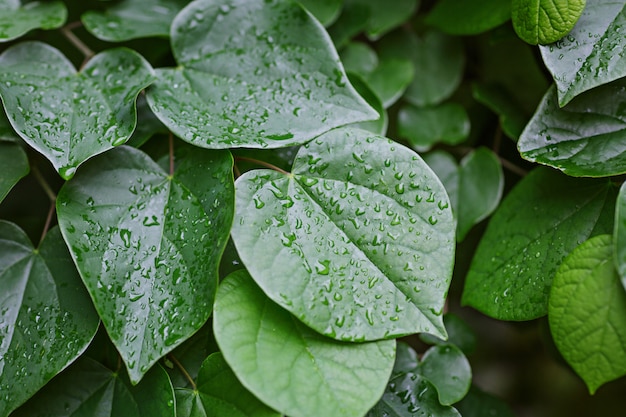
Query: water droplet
column 323, row 267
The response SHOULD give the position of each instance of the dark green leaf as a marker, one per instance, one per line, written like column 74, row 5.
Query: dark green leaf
column 310, row 375
column 359, row 57
column 539, row 222
column 326, row 11
column 427, row 126
column 480, row 404
column 592, row 53
column 148, row 124
column 66, row 116
column 46, row 317
column 447, row 170
column 385, row 15
column 585, row 138
column 460, row 334
column 352, row 20
column 14, row 166
column 390, row 79
column 545, row 21
column 513, row 118
column 7, row 134
column 358, row 242
column 619, row 234
column 468, row 17
column 148, row 244
column 378, row 127
column 447, row 368
column 253, row 74
column 17, row 19
column 130, row 19
column 586, row 312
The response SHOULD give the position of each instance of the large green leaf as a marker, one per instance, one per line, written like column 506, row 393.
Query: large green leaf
column 326, row 11
column 148, row 245
column 590, row 55
column 357, row 242
column 130, row 19
column 17, row 19
column 425, row 127
column 540, row 221
column 253, row 74
column 89, row 389
column 545, row 21
column 68, row 116
column 46, row 317
column 310, row 374
column 14, row 166
column 219, row 394
column 619, row 234
column 468, row 17
column 585, row 138
column 587, row 310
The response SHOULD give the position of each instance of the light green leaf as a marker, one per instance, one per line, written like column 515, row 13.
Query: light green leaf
column 468, row 17
column 253, row 74
column 427, row 126
column 544, row 21
column 591, row 54
column 357, row 242
column 16, row 19
column 326, row 11
column 14, row 166
column 46, row 317
column 585, row 138
column 352, row 21
column 148, row 244
column 539, row 222
column 447, row 368
column 619, row 234
column 70, row 117
column 131, row 19
column 359, row 57
column 385, row 15
column 513, row 118
column 478, row 403
column 586, row 313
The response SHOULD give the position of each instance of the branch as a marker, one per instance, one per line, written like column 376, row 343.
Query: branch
column 183, row 370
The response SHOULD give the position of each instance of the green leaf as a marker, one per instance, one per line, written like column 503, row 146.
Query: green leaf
column 378, row 127
column 326, row 11
column 460, row 334
column 352, row 21
column 14, row 166
column 385, row 16
column 148, row 124
column 586, row 57
column 545, row 21
column 619, row 234
column 585, row 138
column 357, row 242
column 131, row 19
column 46, row 318
column 70, row 117
column 16, row 19
column 586, row 313
column 148, row 245
column 253, row 74
column 468, row 17
column 427, row 126
column 512, row 116
column 478, row 403
column 191, row 354
column 359, row 57
column 447, row 170
column 219, row 394
column 538, row 223
column 7, row 134
column 89, row 389
column 310, row 375
column 447, row 368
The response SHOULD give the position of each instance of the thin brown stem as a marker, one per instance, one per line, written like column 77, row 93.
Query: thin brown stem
column 236, row 171
column 171, row 144
column 44, row 184
column 512, row 167
column 74, row 40
column 46, row 226
column 497, row 140
column 262, row 163
column 183, row 370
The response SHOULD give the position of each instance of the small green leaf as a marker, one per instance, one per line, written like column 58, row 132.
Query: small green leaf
column 586, row 313
column 358, row 57
column 148, row 245
column 497, row 98
column 427, row 126
column 619, row 234
column 478, row 403
column 585, row 138
column 274, row 81
column 447, row 368
column 460, row 334
column 586, row 57
column 539, row 222
column 447, row 170
column 544, row 21
column 390, row 79
column 16, row 19
column 310, row 375
column 385, row 15
column 131, row 19
column 70, row 117
column 378, row 127
column 468, row 17
column 46, row 317
column 326, row 11
column 14, row 166
column 352, row 21
column 358, row 242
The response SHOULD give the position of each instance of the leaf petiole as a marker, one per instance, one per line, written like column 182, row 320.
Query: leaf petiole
column 262, row 163
column 183, row 371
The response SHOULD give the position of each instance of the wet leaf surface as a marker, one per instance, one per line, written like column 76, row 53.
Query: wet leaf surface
column 619, row 235
column 14, row 166
column 358, row 242
column 275, row 82
column 545, row 21
column 69, row 116
column 311, row 375
column 46, row 317
column 17, row 19
column 148, row 245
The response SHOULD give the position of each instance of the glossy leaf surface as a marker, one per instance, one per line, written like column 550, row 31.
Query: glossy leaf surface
column 587, row 310
column 311, row 375
column 447, row 368
column 619, row 235
column 70, row 117
column 468, row 17
column 130, row 19
column 46, row 317
column 17, row 19
column 539, row 223
column 545, row 21
column 253, row 74
column 592, row 53
column 426, row 126
column 148, row 245
column 358, row 242
column 585, row 138
column 14, row 166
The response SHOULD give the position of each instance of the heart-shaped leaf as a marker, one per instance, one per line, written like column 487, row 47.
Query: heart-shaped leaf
column 255, row 74
column 148, row 244
column 357, row 242
column 586, row 57
column 17, row 19
column 545, row 21
column 68, row 116
column 585, row 138
column 46, row 317
column 468, row 17
column 14, row 166
column 311, row 375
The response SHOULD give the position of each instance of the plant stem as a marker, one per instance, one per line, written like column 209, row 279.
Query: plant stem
column 74, row 40
column 48, row 222
column 512, row 167
column 44, row 184
column 171, row 144
column 236, row 171
column 183, row 370
column 262, row 163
